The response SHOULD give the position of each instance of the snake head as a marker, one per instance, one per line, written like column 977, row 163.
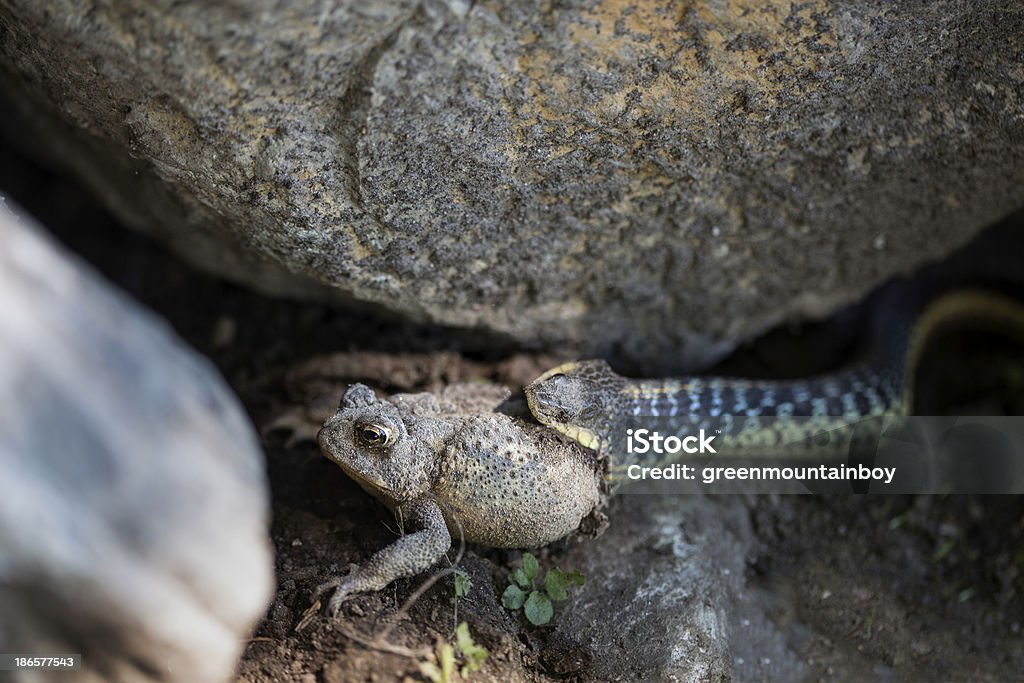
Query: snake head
column 576, row 399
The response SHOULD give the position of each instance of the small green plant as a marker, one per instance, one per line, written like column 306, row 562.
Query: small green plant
column 462, row 584
column 473, row 653
column 536, row 600
column 444, row 671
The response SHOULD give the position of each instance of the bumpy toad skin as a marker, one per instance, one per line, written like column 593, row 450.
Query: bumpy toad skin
column 448, row 465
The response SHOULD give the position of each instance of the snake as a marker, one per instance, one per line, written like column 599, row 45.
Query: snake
column 590, row 404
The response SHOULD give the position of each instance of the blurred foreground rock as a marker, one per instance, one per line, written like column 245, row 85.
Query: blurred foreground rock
column 642, row 179
column 133, row 505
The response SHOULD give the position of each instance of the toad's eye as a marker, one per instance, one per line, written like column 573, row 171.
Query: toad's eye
column 373, row 435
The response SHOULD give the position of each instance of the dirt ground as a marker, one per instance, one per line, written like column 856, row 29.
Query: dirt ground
column 901, row 588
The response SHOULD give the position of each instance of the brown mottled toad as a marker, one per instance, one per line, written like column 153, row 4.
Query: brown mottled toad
column 448, row 465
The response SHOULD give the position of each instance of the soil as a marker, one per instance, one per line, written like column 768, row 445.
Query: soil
column 901, row 588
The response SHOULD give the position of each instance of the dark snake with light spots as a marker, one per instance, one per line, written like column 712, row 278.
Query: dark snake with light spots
column 592, row 405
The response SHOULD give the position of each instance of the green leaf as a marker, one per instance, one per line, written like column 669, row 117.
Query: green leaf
column 474, row 654
column 462, row 585
column 430, row 672
column 897, row 521
column 447, row 657
column 943, row 550
column 520, row 577
column 557, row 583
column 538, row 608
column 513, row 597
column 530, row 566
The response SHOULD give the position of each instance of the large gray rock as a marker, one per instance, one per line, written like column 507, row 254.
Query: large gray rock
column 625, row 176
column 133, row 504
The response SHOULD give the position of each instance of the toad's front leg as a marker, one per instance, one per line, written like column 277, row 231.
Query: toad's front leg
column 409, row 555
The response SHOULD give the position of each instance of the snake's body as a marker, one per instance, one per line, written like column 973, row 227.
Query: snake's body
column 589, row 403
